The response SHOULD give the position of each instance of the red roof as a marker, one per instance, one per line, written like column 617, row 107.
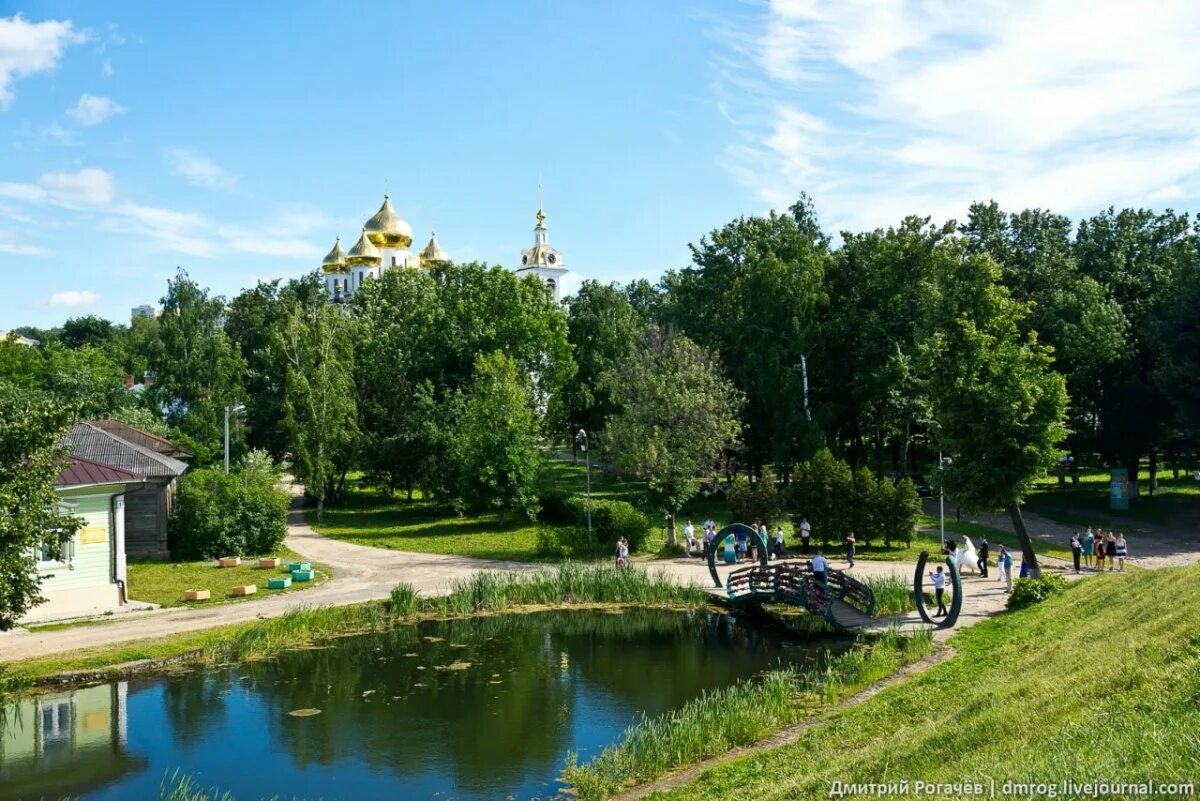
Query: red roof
column 81, row 472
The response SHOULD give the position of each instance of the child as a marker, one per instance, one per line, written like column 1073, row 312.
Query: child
column 939, row 589
column 1006, row 567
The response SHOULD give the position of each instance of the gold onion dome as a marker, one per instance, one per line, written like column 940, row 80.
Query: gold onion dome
column 364, row 252
column 335, row 261
column 433, row 253
column 387, row 229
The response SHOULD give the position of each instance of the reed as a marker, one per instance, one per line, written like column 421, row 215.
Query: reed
column 893, row 595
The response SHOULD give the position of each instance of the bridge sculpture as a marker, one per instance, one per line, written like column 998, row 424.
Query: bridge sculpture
column 839, row 598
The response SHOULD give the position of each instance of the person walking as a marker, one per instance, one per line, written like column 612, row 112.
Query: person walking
column 1089, row 547
column 1110, row 550
column 1076, row 549
column 1122, row 550
column 983, row 557
column 805, row 534
column 779, row 546
column 1100, row 551
column 939, row 589
column 819, row 566
column 1006, row 566
column 850, row 548
column 689, row 534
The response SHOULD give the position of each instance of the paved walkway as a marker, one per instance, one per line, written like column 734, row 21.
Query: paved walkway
column 360, row 574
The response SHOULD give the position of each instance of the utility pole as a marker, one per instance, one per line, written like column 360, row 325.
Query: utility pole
column 229, row 410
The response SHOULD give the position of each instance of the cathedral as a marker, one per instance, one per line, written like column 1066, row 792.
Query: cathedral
column 384, row 245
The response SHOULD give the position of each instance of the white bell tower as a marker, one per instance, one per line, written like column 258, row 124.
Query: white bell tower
column 542, row 260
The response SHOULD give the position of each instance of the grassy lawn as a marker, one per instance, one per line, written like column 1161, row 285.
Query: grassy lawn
column 163, row 583
column 1088, row 502
column 1096, row 684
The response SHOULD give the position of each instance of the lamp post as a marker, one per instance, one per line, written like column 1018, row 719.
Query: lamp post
column 228, row 411
column 581, row 439
column 942, row 462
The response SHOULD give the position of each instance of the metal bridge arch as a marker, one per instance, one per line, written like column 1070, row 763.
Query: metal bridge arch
column 734, row 528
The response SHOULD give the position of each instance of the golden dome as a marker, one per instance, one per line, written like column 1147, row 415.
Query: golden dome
column 433, row 253
column 387, row 229
column 335, row 261
column 364, row 253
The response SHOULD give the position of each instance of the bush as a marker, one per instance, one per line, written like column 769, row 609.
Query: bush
column 757, row 501
column 836, row 501
column 555, row 506
column 570, row 542
column 1030, row 591
column 612, row 520
column 243, row 513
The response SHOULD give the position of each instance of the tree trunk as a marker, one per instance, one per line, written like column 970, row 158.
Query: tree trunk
column 408, row 488
column 321, row 506
column 1030, row 558
column 1132, row 465
column 1153, row 469
column 878, row 449
column 671, row 530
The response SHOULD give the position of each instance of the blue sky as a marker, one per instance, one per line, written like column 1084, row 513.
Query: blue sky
column 237, row 139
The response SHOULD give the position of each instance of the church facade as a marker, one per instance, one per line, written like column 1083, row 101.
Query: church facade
column 384, row 244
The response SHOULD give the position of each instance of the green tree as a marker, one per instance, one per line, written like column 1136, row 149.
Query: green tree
column 315, row 342
column 199, row 371
column 85, row 378
column 602, row 327
column 31, row 456
column 678, row 413
column 90, row 330
column 1178, row 377
column 399, row 356
column 822, row 492
column 998, row 403
column 493, row 444
column 754, row 295
column 252, row 321
column 1139, row 257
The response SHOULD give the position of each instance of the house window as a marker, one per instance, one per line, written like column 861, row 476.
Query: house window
column 66, row 550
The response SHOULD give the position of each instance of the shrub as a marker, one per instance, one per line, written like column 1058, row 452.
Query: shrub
column 242, row 513
column 612, row 520
column 1030, row 591
column 555, row 504
column 759, row 500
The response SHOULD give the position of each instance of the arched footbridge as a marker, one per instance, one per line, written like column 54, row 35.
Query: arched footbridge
column 842, row 600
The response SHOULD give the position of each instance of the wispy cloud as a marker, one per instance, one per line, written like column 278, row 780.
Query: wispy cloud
column 93, row 110
column 12, row 241
column 200, row 170
column 883, row 109
column 91, row 193
column 73, row 297
column 27, row 48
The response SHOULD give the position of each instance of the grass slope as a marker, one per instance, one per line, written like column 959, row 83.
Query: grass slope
column 1100, row 683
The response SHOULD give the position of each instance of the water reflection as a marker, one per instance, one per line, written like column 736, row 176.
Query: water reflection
column 62, row 743
column 457, row 709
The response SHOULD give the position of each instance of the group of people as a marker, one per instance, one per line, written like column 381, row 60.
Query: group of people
column 745, row 544
column 1103, row 546
column 622, row 552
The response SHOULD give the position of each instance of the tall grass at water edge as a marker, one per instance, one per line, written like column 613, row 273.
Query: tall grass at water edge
column 893, row 595
column 571, row 583
column 741, row 714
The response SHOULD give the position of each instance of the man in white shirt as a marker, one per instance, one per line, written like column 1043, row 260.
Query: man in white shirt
column 689, row 533
column 805, row 533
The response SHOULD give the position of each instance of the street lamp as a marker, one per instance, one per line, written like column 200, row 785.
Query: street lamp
column 942, row 462
column 581, row 439
column 228, row 411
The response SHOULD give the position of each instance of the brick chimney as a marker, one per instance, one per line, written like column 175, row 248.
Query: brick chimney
column 148, row 380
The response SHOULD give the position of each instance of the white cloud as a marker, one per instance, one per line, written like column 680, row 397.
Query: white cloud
column 12, row 242
column 89, row 187
column 27, row 48
column 200, row 170
column 73, row 297
column 882, row 109
column 93, row 110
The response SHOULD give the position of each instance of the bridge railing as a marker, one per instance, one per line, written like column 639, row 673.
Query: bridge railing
column 847, row 588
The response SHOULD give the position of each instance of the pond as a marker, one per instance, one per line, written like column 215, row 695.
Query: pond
column 469, row 709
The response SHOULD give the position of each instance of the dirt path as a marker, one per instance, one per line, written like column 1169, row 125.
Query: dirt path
column 360, row 574
column 1149, row 546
